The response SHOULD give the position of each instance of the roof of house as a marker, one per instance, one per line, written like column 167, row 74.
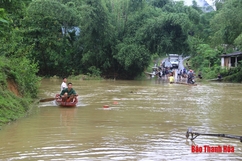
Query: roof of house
column 232, row 54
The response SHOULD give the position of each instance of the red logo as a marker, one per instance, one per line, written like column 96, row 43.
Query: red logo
column 212, row 149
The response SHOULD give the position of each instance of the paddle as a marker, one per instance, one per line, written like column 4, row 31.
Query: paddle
column 47, row 100
column 189, row 131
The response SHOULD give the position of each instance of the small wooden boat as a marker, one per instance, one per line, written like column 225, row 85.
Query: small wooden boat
column 189, row 84
column 216, row 79
column 59, row 102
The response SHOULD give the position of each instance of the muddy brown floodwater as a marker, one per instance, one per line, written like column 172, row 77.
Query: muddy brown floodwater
column 146, row 120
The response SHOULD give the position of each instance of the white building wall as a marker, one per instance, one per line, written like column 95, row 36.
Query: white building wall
column 222, row 62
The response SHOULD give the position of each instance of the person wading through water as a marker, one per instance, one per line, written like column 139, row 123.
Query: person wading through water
column 190, row 78
column 68, row 94
column 171, row 77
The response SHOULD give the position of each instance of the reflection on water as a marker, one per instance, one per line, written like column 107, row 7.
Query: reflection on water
column 146, row 120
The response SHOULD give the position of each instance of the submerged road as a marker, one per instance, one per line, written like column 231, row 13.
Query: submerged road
column 180, row 66
column 149, row 123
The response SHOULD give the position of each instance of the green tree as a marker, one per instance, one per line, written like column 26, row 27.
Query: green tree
column 49, row 27
column 97, row 36
column 218, row 4
column 4, row 28
column 159, row 3
column 14, row 65
column 227, row 23
column 3, row 21
column 15, row 10
column 206, row 60
column 167, row 33
column 132, row 57
column 111, row 36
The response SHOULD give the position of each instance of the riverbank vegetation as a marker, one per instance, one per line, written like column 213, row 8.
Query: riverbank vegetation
column 19, row 85
column 18, row 79
column 117, row 38
column 224, row 35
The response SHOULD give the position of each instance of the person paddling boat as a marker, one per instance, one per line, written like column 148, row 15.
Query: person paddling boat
column 68, row 94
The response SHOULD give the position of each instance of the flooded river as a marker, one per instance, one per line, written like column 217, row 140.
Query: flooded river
column 146, row 120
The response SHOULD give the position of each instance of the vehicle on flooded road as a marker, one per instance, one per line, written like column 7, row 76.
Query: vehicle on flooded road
column 174, row 59
column 174, row 62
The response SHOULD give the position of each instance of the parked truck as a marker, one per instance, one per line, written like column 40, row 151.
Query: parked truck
column 174, row 59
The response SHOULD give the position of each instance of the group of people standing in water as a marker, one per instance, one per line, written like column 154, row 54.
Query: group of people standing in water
column 170, row 74
column 183, row 73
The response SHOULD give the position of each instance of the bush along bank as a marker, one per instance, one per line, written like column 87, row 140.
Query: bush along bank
column 18, row 88
column 12, row 107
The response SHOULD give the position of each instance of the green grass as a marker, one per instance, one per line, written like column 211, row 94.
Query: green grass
column 12, row 107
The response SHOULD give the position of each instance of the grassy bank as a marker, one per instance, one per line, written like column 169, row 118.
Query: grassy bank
column 12, row 107
column 18, row 88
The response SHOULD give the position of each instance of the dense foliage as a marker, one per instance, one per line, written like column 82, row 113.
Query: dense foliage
column 18, row 79
column 222, row 33
column 106, row 37
column 19, row 83
column 12, row 107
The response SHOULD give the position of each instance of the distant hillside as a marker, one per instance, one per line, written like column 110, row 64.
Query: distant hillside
column 205, row 6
